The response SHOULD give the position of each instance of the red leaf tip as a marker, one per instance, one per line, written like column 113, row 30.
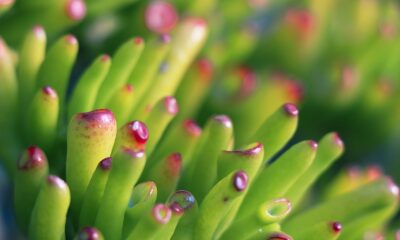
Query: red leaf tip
column 251, row 151
column 191, row 127
column 71, row 39
column 279, row 236
column 128, row 88
column 337, row 140
column 205, row 68
column 373, row 172
column 248, row 80
column 174, row 164
column 48, row 91
column 103, row 116
column 291, row 109
column 294, row 89
column 105, row 58
column 313, row 144
column 138, row 40
column 32, row 158
column 89, row 233
column 301, row 20
column 138, row 130
column 336, row 227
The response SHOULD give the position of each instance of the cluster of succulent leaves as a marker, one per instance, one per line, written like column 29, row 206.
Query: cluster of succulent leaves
column 339, row 51
column 134, row 163
column 138, row 168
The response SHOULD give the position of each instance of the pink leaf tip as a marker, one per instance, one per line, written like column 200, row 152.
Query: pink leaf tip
column 161, row 213
column 56, row 181
column 240, row 181
column 171, row 105
column 71, row 39
column 291, row 109
column 223, row 119
column 336, row 227
column 191, row 127
column 106, row 163
column 32, row 158
column 160, row 17
column 313, row 144
column 139, row 131
column 75, row 9
column 89, row 233
column 48, row 91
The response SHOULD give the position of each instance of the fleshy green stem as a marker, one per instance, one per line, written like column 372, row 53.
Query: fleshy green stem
column 151, row 224
column 144, row 195
column 133, row 135
column 50, row 211
column 94, row 193
column 268, row 213
column 189, row 37
column 182, row 138
column 349, row 206
column 277, row 129
column 124, row 61
column 31, row 171
column 166, row 175
column 31, row 56
column 126, row 169
column 90, row 139
column 57, row 65
column 180, row 202
column 85, row 92
column 324, row 230
column 202, row 171
column 42, row 118
column 157, row 121
column 121, row 102
column 330, row 148
column 275, row 180
column 217, row 203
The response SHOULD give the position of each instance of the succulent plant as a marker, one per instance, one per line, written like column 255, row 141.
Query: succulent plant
column 155, row 142
column 338, row 51
column 135, row 166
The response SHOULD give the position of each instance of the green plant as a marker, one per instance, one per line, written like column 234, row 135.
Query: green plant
column 121, row 181
column 338, row 51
